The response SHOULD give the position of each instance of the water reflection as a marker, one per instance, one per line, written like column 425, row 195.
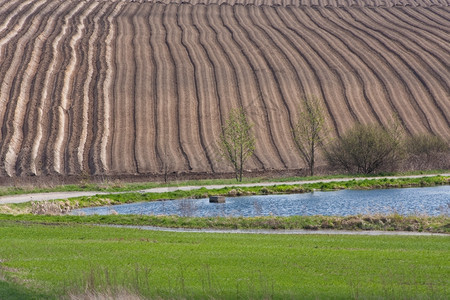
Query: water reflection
column 423, row 201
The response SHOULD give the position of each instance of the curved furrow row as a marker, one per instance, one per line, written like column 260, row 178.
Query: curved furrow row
column 285, row 74
column 152, row 104
column 430, row 16
column 101, row 151
column 12, row 110
column 272, row 81
column 58, row 113
column 190, row 102
column 415, row 76
column 144, row 96
column 371, row 52
column 433, row 72
column 435, row 38
column 218, row 79
column 356, row 97
column 166, row 89
column 11, row 14
column 331, row 81
column 308, row 71
column 77, row 113
column 262, row 76
column 7, row 5
column 64, row 107
column 239, row 84
column 400, row 68
column 369, row 99
column 205, row 87
column 86, row 80
column 427, row 46
column 122, row 139
column 26, row 164
column 23, row 127
column 39, row 149
column 8, row 48
column 443, row 13
column 184, row 101
column 350, row 49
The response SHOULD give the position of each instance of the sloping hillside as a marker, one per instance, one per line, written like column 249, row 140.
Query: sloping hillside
column 136, row 87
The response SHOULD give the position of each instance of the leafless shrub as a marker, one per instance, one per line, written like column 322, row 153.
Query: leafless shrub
column 108, row 295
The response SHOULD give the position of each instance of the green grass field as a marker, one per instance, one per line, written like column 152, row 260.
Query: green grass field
column 50, row 261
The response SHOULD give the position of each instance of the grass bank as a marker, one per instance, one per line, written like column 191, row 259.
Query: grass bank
column 52, row 262
column 121, row 186
column 393, row 222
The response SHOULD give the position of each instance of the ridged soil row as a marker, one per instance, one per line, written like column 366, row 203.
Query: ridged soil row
column 8, row 46
column 146, row 157
column 375, row 96
column 333, row 90
column 443, row 13
column 254, row 97
column 431, row 69
column 435, row 37
column 88, row 80
column 5, row 6
column 123, row 159
column 363, row 89
column 189, row 105
column 205, row 88
column 278, row 117
column 78, row 108
column 11, row 114
column 434, row 17
column 59, row 102
column 287, row 82
column 183, row 92
column 21, row 132
column 235, row 82
column 33, row 125
column 10, row 13
column 166, row 90
column 428, row 48
column 64, row 108
column 420, row 93
column 100, row 150
column 398, row 90
column 218, row 80
column 364, row 49
column 47, row 76
column 306, row 70
column 355, row 97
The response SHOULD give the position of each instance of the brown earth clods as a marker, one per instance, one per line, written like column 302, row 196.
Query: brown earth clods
column 124, row 88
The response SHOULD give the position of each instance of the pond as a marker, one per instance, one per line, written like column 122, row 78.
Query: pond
column 430, row 201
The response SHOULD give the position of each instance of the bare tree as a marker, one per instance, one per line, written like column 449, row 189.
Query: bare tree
column 308, row 131
column 237, row 143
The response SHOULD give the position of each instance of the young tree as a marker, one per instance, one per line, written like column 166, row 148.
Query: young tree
column 308, row 131
column 237, row 142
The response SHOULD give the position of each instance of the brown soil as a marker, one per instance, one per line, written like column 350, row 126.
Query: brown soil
column 136, row 89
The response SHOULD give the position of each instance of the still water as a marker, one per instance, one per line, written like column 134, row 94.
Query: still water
column 430, row 201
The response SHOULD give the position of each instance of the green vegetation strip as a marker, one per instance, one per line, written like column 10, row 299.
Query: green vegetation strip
column 53, row 262
column 112, row 199
column 120, row 186
column 394, row 222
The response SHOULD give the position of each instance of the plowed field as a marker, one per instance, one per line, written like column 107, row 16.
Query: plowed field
column 140, row 87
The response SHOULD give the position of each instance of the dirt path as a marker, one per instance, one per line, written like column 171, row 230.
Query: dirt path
column 66, row 195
